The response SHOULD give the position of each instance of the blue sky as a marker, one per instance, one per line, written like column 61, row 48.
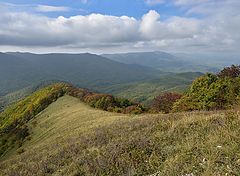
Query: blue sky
column 133, row 8
column 120, row 25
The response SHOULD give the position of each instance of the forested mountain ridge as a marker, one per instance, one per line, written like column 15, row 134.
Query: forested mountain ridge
column 19, row 70
column 163, row 61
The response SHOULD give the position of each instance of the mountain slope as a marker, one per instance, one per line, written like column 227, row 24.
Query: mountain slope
column 16, row 73
column 13, row 120
column 145, row 91
column 162, row 61
column 18, row 95
column 70, row 138
column 19, row 70
column 217, row 60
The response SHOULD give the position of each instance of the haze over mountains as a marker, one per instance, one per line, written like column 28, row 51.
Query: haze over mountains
column 138, row 76
column 162, row 61
column 19, row 70
column 178, row 62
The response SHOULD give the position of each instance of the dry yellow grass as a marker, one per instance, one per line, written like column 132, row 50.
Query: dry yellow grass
column 70, row 138
column 69, row 117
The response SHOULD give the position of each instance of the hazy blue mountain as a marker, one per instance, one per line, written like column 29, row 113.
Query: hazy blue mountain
column 162, row 61
column 17, row 73
column 23, row 73
column 19, row 70
column 211, row 60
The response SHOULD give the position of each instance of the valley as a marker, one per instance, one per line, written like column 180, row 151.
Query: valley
column 23, row 73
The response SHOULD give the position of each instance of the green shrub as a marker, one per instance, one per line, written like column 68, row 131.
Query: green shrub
column 105, row 102
column 122, row 102
column 210, row 92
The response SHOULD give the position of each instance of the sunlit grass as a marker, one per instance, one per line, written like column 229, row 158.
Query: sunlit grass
column 70, row 138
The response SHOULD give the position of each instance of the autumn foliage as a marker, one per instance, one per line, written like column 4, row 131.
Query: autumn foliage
column 106, row 102
column 231, row 72
column 164, row 103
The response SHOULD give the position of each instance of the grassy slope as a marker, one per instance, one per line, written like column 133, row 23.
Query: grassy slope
column 70, row 138
column 13, row 129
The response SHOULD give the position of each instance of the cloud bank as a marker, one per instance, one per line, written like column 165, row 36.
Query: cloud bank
column 216, row 30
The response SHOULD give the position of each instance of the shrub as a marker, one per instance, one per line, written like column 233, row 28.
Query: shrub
column 116, row 109
column 211, row 92
column 232, row 72
column 164, row 103
column 134, row 109
column 106, row 102
column 101, row 101
column 77, row 92
column 122, row 102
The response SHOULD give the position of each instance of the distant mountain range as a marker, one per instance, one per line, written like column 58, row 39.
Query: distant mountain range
column 19, row 70
column 163, row 61
column 211, row 60
column 139, row 76
column 56, row 131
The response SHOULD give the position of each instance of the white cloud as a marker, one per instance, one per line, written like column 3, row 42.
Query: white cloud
column 217, row 30
column 46, row 8
column 174, row 28
column 153, row 2
column 192, row 2
column 94, row 29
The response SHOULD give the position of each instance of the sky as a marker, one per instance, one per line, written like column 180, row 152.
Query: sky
column 109, row 26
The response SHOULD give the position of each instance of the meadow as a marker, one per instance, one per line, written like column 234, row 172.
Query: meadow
column 71, row 138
